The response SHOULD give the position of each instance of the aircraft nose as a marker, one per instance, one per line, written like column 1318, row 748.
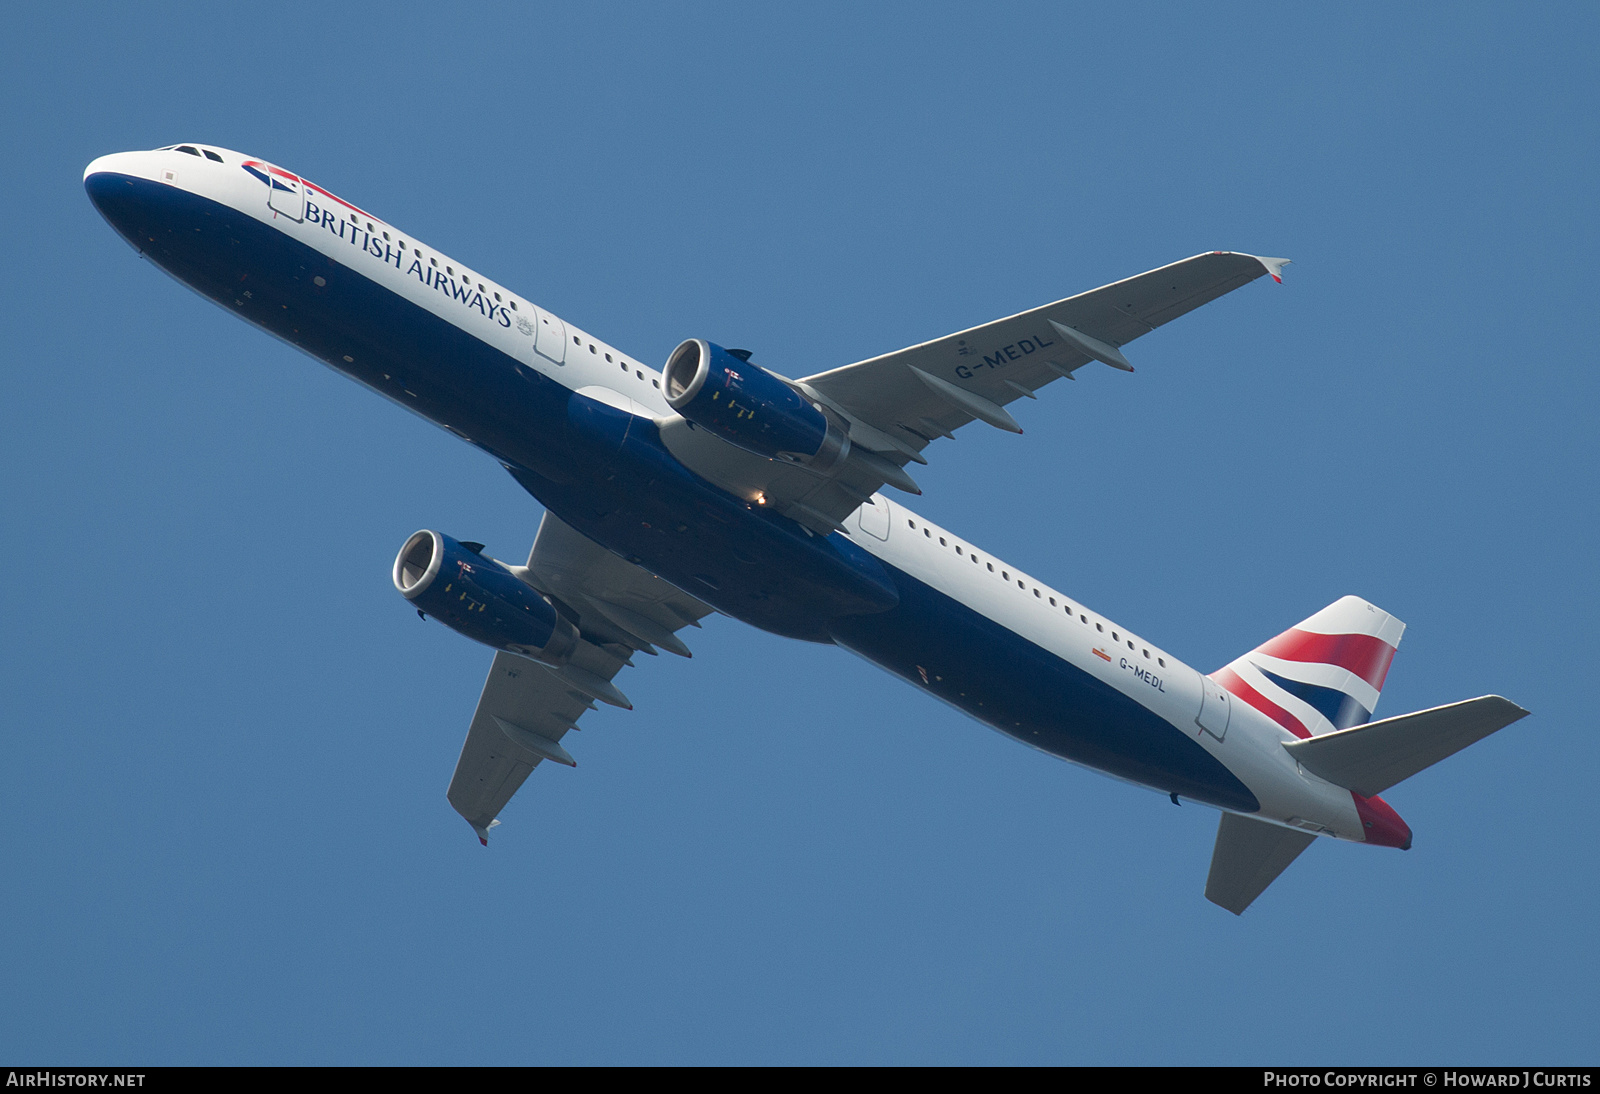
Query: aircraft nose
column 112, row 183
column 127, row 164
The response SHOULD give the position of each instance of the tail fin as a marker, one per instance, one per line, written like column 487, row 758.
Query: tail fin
column 1323, row 675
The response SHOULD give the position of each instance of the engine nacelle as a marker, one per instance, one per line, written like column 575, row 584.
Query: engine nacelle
column 481, row 598
column 748, row 406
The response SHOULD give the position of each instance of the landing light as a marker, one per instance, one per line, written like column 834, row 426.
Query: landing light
column 761, row 499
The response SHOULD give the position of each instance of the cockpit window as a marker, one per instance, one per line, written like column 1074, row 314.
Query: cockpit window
column 188, row 149
column 210, row 155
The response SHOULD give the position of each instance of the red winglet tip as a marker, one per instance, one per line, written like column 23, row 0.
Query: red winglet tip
column 483, row 841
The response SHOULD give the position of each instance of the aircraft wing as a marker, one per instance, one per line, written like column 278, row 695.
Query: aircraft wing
column 897, row 403
column 527, row 708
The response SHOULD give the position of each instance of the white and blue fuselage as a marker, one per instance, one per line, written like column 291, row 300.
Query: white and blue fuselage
column 579, row 424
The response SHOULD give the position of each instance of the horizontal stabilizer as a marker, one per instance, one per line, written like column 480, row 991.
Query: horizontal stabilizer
column 1371, row 758
column 1249, row 856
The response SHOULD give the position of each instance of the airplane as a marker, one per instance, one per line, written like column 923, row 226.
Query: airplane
column 714, row 484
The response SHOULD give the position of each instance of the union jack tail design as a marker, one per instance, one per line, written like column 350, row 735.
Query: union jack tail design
column 1324, row 674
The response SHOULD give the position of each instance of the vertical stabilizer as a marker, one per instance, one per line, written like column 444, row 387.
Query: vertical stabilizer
column 1324, row 674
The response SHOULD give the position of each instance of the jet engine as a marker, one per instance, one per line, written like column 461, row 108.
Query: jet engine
column 481, row 598
column 744, row 404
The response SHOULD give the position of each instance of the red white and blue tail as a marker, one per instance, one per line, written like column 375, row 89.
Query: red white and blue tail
column 1324, row 674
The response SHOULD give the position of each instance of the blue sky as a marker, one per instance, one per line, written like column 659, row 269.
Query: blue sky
column 226, row 738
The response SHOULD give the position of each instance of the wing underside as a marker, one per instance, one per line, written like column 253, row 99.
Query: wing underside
column 898, row 403
column 999, row 362
column 526, row 708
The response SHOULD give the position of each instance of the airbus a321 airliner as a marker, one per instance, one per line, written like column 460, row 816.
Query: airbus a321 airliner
column 714, row 484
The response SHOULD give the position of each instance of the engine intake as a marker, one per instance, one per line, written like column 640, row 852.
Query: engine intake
column 481, row 598
column 752, row 408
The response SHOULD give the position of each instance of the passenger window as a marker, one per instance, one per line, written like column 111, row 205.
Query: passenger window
column 958, row 550
column 1130, row 643
column 1036, row 592
column 1115, row 637
column 1100, row 627
column 608, row 360
column 1083, row 619
column 640, row 375
column 941, row 541
column 1052, row 601
column 991, row 567
column 927, row 534
column 1147, row 655
column 1162, row 661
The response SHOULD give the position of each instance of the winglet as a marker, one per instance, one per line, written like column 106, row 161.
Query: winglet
column 483, row 831
column 1274, row 266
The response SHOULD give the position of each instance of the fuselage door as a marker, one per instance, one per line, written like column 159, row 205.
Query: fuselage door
column 874, row 518
column 551, row 338
column 1216, row 705
column 286, row 195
